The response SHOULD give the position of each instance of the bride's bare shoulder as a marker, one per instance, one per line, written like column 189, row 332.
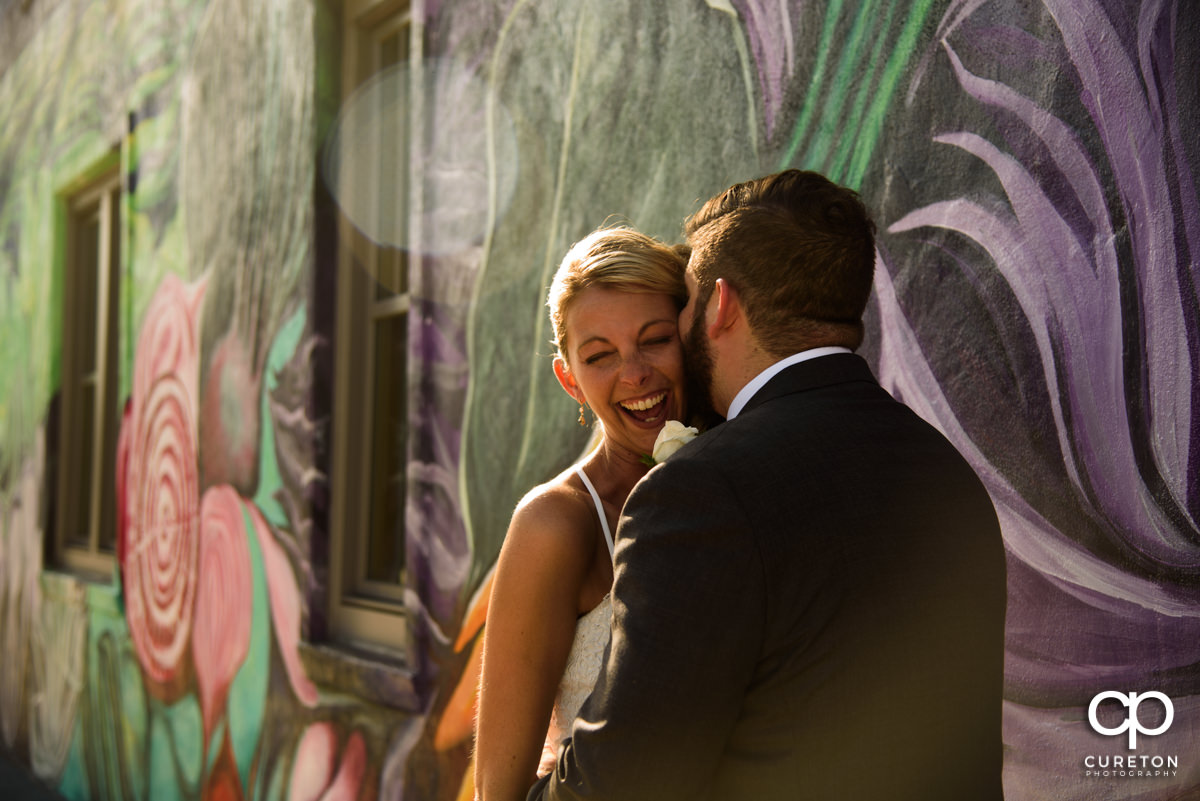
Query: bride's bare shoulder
column 560, row 506
column 551, row 535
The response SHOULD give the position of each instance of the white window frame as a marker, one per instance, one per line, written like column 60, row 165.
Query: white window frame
column 363, row 614
column 85, row 511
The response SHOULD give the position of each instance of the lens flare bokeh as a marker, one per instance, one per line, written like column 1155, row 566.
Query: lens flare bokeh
column 405, row 187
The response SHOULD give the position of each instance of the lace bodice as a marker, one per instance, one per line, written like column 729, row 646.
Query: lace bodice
column 583, row 667
column 584, row 660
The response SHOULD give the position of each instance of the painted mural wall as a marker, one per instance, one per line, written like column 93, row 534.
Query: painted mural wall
column 181, row 675
column 1033, row 169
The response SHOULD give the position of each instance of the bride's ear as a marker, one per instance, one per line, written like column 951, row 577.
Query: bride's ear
column 562, row 371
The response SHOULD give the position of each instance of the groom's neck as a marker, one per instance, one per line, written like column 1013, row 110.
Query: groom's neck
column 737, row 359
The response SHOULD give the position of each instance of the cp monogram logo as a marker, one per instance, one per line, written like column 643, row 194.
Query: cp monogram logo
column 1131, row 702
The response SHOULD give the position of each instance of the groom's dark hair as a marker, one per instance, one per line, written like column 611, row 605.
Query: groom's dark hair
column 800, row 251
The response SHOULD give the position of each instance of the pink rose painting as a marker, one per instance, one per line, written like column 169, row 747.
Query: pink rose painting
column 318, row 774
column 286, row 608
column 158, row 489
column 224, row 601
column 185, row 547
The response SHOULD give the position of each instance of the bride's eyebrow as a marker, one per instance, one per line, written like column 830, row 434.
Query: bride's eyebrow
column 649, row 324
column 652, row 323
column 590, row 340
column 601, row 339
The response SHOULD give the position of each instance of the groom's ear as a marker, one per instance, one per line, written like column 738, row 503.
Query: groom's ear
column 728, row 310
column 562, row 371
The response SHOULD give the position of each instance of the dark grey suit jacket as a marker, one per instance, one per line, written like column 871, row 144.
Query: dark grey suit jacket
column 809, row 604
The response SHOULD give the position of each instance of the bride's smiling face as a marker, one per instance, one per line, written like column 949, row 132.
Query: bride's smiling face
column 624, row 358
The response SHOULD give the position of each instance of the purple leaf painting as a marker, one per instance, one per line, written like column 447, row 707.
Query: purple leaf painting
column 1095, row 241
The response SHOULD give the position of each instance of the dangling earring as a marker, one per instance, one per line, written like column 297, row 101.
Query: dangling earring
column 582, row 420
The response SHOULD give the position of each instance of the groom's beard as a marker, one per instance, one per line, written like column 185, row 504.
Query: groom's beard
column 698, row 361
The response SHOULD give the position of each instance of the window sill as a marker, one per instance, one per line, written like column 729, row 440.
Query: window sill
column 87, row 577
column 380, row 677
column 86, row 568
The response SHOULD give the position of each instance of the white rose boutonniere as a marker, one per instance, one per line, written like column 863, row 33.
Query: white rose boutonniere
column 674, row 435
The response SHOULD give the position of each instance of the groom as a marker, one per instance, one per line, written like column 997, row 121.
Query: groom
column 809, row 598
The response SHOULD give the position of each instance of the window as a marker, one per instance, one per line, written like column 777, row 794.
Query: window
column 369, row 472
column 85, row 527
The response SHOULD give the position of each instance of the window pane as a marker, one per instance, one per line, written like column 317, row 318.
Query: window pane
column 385, row 547
column 392, row 269
column 84, row 287
column 112, row 413
column 393, row 47
column 367, row 593
column 392, row 177
column 79, row 465
column 108, row 497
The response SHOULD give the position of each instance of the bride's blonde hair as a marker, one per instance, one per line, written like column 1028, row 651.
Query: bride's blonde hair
column 615, row 258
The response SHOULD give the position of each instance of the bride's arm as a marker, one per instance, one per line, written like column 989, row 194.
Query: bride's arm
column 528, row 635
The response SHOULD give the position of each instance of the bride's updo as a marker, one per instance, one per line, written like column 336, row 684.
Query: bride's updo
column 615, row 258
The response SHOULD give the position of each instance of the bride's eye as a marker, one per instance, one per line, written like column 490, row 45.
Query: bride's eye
column 596, row 358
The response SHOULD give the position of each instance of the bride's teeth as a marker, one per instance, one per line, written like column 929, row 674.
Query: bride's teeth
column 643, row 405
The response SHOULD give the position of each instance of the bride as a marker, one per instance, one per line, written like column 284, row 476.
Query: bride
column 614, row 304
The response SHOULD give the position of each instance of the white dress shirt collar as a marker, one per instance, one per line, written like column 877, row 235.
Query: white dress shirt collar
column 759, row 381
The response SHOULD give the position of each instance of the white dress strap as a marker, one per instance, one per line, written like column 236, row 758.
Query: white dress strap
column 599, row 508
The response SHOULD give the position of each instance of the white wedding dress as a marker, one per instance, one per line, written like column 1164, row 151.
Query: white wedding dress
column 585, row 658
